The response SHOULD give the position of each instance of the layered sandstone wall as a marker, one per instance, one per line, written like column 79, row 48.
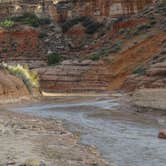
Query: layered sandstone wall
column 17, row 7
column 61, row 10
column 22, row 46
column 98, row 9
column 74, row 76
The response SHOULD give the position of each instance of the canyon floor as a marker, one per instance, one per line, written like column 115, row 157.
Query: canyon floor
column 26, row 138
column 73, row 130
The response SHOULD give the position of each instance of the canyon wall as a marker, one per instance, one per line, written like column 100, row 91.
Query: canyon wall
column 74, row 76
column 22, row 46
column 98, row 9
column 60, row 10
column 17, row 7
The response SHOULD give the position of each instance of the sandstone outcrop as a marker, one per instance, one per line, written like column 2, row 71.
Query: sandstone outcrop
column 74, row 76
column 150, row 98
column 22, row 46
column 12, row 89
column 98, row 9
column 154, row 77
column 61, row 10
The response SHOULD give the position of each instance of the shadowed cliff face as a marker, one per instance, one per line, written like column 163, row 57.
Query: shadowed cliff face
column 99, row 9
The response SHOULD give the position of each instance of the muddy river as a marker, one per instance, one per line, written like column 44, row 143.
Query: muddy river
column 126, row 138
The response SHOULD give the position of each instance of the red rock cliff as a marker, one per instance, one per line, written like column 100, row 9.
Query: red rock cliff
column 98, row 9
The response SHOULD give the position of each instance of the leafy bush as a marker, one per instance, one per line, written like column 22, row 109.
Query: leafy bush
column 43, row 35
column 54, row 59
column 95, row 57
column 162, row 5
column 153, row 22
column 141, row 70
column 143, row 27
column 100, row 54
column 116, row 47
column 7, row 24
column 31, row 19
column 29, row 77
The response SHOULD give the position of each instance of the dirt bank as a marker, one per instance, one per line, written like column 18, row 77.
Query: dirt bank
column 24, row 137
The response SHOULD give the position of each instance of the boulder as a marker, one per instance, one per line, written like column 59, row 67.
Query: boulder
column 12, row 88
column 162, row 134
column 150, row 98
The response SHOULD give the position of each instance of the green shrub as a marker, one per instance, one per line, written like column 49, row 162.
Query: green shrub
column 29, row 77
column 54, row 59
column 162, row 5
column 100, row 54
column 4, row 50
column 116, row 47
column 43, row 35
column 31, row 19
column 95, row 57
column 7, row 24
column 153, row 22
column 141, row 70
column 143, row 27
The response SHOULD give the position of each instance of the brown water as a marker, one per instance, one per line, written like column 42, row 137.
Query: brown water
column 125, row 138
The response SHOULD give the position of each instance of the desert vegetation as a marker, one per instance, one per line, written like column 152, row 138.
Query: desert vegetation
column 30, row 78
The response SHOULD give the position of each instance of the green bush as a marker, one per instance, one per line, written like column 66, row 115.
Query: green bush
column 31, row 19
column 95, row 57
column 54, row 59
column 100, row 54
column 43, row 35
column 143, row 27
column 116, row 47
column 7, row 24
column 29, row 77
column 141, row 70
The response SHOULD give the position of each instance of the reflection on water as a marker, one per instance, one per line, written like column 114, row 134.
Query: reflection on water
column 125, row 140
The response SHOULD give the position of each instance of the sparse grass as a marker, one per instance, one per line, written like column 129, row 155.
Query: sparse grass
column 29, row 77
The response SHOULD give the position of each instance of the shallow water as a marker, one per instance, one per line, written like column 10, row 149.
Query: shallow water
column 127, row 139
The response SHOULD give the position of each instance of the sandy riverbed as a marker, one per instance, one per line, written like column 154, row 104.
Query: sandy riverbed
column 24, row 137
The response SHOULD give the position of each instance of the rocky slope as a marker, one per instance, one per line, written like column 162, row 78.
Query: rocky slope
column 97, row 56
column 129, row 46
